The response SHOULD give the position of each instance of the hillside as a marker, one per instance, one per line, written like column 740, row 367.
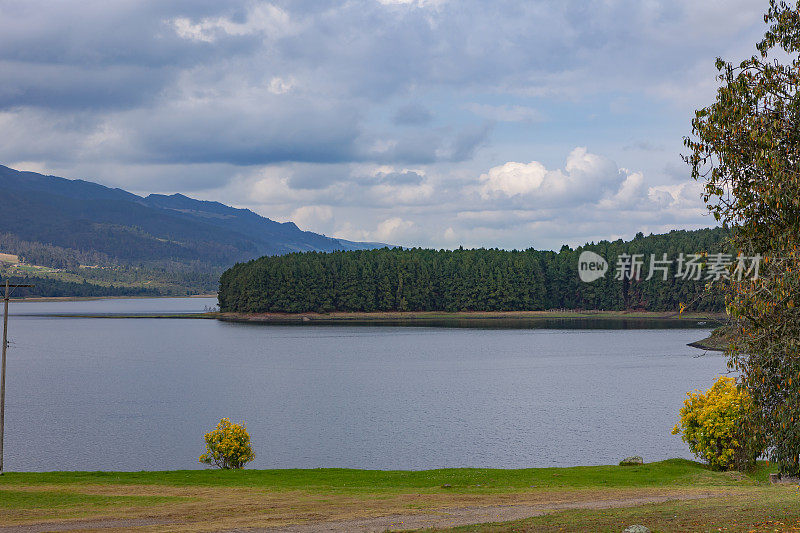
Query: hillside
column 156, row 244
column 468, row 280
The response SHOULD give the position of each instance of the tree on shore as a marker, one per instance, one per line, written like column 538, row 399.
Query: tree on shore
column 746, row 149
column 228, row 446
column 709, row 422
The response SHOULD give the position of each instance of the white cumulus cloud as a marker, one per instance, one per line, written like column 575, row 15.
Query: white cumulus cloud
column 585, row 175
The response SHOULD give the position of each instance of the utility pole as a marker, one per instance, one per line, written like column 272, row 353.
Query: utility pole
column 3, row 371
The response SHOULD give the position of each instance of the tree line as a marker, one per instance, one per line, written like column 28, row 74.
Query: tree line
column 418, row 279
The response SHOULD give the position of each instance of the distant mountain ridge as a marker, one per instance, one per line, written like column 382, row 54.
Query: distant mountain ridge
column 89, row 217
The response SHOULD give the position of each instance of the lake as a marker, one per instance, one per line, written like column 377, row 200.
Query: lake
column 139, row 393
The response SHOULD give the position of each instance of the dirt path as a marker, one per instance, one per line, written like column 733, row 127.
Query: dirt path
column 440, row 517
column 461, row 516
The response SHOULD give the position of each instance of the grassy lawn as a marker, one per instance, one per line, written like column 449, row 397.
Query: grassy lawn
column 206, row 500
column 55, row 499
column 31, row 504
column 670, row 473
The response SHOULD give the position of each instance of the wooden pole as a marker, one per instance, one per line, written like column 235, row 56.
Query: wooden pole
column 3, row 369
column 3, row 376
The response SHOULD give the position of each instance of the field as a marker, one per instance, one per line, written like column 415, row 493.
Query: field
column 673, row 495
column 99, row 281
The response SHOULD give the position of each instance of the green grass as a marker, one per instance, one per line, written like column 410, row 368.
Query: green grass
column 738, row 502
column 670, row 473
column 23, row 499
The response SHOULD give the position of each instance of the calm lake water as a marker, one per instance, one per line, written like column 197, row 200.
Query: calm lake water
column 134, row 394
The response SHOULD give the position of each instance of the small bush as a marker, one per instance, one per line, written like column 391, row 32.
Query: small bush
column 711, row 425
column 228, row 446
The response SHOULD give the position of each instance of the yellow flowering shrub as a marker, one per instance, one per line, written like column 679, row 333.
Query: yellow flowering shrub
column 228, row 446
column 710, row 425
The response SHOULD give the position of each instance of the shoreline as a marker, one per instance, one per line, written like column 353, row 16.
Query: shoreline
column 379, row 317
column 461, row 319
column 503, row 319
column 186, row 316
column 92, row 298
column 708, row 344
column 718, row 341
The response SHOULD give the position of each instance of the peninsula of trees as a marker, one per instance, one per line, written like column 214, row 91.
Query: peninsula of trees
column 416, row 279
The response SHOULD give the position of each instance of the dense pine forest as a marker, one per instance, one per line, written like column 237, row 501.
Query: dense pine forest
column 416, row 279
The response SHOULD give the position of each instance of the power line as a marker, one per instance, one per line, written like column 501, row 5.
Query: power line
column 9, row 286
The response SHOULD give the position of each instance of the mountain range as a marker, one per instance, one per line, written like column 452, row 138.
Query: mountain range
column 69, row 223
column 82, row 215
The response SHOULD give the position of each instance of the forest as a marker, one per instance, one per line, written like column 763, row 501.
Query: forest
column 417, row 279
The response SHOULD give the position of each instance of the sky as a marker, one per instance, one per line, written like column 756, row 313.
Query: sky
column 435, row 123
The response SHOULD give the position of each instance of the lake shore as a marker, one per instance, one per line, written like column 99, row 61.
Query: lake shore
column 393, row 317
column 463, row 318
column 93, row 298
column 718, row 341
column 672, row 495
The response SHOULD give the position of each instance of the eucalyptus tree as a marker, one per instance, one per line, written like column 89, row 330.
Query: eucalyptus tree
column 745, row 147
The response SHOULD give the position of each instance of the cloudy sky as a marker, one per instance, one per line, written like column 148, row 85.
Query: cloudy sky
column 418, row 122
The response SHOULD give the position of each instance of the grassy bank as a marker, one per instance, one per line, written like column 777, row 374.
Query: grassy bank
column 469, row 480
column 577, row 498
column 719, row 339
